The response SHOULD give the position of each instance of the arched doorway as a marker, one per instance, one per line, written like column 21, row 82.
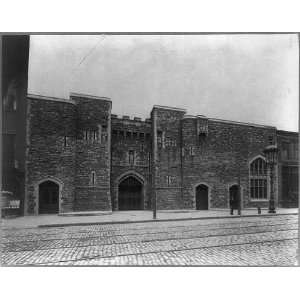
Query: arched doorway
column 48, row 197
column 130, row 194
column 202, row 197
column 234, row 196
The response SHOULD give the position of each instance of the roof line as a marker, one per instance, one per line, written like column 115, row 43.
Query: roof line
column 169, row 108
column 41, row 97
column 280, row 131
column 89, row 96
column 241, row 123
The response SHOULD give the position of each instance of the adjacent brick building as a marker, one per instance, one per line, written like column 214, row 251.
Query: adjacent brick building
column 80, row 157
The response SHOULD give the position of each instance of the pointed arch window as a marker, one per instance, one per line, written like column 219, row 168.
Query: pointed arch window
column 258, row 179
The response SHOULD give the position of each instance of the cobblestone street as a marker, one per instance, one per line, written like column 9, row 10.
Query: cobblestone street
column 260, row 241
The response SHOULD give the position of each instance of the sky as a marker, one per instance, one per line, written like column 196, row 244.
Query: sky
column 246, row 78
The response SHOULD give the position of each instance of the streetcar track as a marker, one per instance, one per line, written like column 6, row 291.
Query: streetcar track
column 80, row 239
column 148, row 241
column 127, row 226
column 162, row 251
column 212, row 227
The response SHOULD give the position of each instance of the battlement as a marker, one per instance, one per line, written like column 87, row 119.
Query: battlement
column 130, row 119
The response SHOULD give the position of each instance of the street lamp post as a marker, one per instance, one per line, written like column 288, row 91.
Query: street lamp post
column 271, row 152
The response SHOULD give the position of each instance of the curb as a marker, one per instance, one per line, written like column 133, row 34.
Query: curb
column 158, row 220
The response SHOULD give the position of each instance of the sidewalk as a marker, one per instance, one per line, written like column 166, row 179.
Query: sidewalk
column 119, row 217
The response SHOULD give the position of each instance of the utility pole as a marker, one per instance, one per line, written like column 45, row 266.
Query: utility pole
column 154, row 173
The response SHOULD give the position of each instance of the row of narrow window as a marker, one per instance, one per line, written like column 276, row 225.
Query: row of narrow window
column 90, row 135
column 94, row 135
column 170, row 180
column 131, row 135
column 132, row 157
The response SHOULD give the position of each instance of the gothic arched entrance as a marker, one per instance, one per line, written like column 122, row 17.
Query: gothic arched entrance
column 202, row 197
column 48, row 197
column 130, row 194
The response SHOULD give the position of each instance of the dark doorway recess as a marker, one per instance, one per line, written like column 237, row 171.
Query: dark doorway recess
column 130, row 194
column 48, row 197
column 201, row 197
column 234, row 195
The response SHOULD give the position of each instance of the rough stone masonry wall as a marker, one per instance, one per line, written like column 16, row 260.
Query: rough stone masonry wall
column 126, row 136
column 93, row 114
column 220, row 159
column 46, row 157
column 168, row 176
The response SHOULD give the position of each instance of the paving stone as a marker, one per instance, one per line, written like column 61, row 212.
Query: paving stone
column 244, row 241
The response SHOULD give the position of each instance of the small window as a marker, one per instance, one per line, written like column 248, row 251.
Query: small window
column 170, row 180
column 159, row 138
column 134, row 135
column 121, row 134
column 93, row 178
column 14, row 105
column 86, row 135
column 104, row 128
column 284, row 151
column 90, row 135
column 271, row 139
column 131, row 157
column 192, row 151
column 65, row 141
column 115, row 133
column 128, row 134
column 142, row 135
column 95, row 135
column 148, row 136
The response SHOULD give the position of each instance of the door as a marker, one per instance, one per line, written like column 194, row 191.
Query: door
column 234, row 196
column 48, row 197
column 202, row 197
column 130, row 194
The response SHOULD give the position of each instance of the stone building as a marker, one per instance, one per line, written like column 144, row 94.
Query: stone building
column 14, row 69
column 80, row 157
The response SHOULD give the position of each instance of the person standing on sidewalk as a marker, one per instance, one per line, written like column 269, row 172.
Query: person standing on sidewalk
column 235, row 202
column 231, row 204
